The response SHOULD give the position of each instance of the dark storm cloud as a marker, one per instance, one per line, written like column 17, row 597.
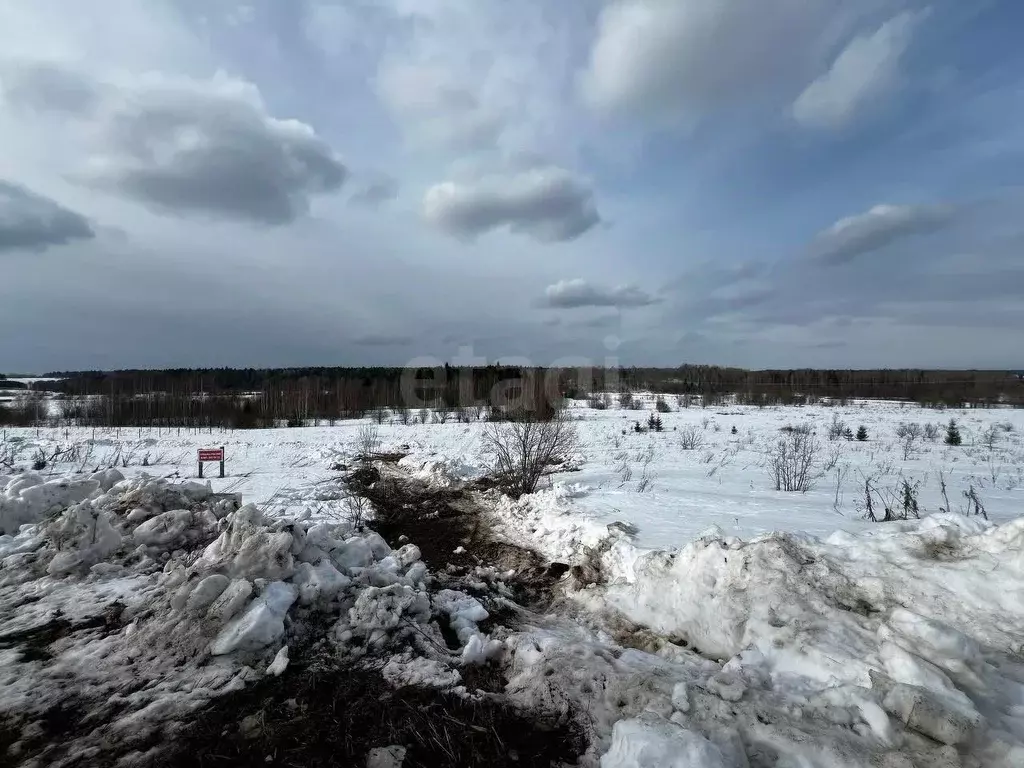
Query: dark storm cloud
column 32, row 222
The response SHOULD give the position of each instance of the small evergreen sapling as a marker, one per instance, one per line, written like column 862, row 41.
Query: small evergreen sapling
column 953, row 436
column 862, row 433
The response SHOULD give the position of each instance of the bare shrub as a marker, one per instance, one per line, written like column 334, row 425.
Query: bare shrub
column 974, row 505
column 661, row 406
column 931, row 432
column 836, row 428
column 832, row 457
column 909, row 429
column 404, row 415
column 521, row 451
column 791, row 462
column 623, row 468
column 598, row 402
column 626, row 401
column 691, row 438
column 898, row 503
column 990, row 436
column 908, row 435
column 379, row 414
column 356, row 509
column 841, row 472
column 368, row 440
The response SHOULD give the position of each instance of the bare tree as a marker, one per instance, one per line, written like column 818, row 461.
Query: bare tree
column 522, row 450
column 442, row 412
column 990, row 436
column 791, row 462
column 690, row 438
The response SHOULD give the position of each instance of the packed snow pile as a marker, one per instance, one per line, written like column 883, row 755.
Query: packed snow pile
column 135, row 602
column 901, row 647
column 443, row 470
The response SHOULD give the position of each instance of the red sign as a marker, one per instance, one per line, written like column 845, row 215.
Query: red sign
column 211, row 454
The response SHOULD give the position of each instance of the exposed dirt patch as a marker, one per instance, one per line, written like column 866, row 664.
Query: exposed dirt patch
column 452, row 532
column 320, row 716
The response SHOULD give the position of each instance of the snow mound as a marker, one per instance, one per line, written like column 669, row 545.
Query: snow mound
column 443, row 470
column 909, row 635
column 141, row 600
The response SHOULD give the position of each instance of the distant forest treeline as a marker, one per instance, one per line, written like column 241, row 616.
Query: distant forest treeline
column 267, row 397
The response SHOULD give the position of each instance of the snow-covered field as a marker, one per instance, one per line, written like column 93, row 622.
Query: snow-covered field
column 722, row 482
column 727, row 624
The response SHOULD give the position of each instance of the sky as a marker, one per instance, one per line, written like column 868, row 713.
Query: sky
column 756, row 183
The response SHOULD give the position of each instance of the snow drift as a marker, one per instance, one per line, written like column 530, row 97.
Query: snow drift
column 135, row 602
column 904, row 641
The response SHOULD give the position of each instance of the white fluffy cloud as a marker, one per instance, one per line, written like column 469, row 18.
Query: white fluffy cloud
column 32, row 222
column 573, row 294
column 547, row 204
column 866, row 70
column 183, row 145
column 876, row 228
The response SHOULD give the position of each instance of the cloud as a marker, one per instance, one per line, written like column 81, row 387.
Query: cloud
column 46, row 86
column 882, row 225
column 186, row 146
column 32, row 222
column 572, row 294
column 375, row 193
column 436, row 109
column 547, row 204
column 689, row 57
column 865, row 71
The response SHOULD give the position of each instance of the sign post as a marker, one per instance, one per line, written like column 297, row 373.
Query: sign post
column 211, row 454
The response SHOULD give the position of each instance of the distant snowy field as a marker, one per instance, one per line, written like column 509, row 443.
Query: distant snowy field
column 722, row 482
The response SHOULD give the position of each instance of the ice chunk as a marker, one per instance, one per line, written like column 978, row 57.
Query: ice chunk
column 649, row 740
column 464, row 612
column 260, row 625
column 230, row 600
column 205, row 592
column 280, row 663
column 107, row 478
column 319, row 582
column 353, row 553
column 936, row 716
column 174, row 528
column 480, row 649
column 386, row 757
